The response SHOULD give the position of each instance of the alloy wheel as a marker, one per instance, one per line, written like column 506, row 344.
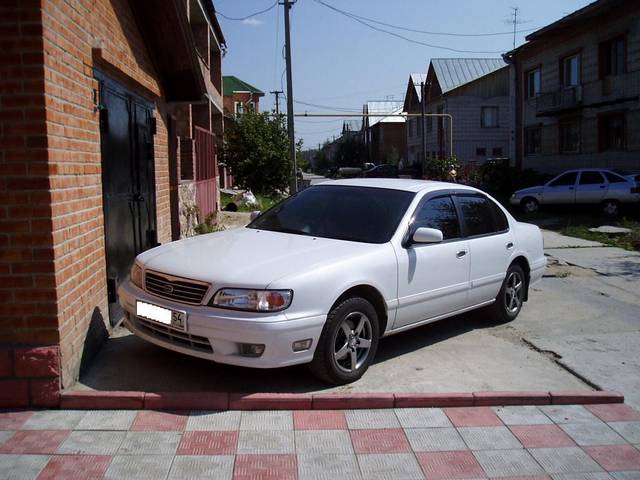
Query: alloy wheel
column 513, row 293
column 530, row 206
column 610, row 208
column 352, row 342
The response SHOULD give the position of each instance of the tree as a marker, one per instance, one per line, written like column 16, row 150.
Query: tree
column 257, row 152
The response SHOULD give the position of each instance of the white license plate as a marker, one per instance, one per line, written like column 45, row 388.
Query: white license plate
column 173, row 318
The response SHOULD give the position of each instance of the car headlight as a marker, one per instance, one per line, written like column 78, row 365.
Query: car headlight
column 136, row 275
column 252, row 300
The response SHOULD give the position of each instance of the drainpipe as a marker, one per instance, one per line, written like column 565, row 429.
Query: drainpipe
column 516, row 116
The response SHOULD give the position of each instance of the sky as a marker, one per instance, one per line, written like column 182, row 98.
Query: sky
column 341, row 64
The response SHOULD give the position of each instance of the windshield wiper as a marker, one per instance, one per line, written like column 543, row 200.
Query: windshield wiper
column 295, row 231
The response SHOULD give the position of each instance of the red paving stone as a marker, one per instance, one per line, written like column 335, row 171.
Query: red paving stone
column 542, row 436
column 153, row 421
column 527, row 477
column 380, row 440
column 35, row 441
column 449, row 465
column 615, row 458
column 319, row 420
column 614, row 412
column 76, row 467
column 473, row 417
column 265, row 467
column 13, row 420
column 208, row 443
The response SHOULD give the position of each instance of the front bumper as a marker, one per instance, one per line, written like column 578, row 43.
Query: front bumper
column 224, row 330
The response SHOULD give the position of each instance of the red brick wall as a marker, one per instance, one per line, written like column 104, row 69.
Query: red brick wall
column 229, row 101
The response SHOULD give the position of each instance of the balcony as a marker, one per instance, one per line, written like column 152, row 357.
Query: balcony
column 561, row 101
column 613, row 89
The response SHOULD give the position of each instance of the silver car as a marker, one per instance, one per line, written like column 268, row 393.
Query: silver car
column 584, row 186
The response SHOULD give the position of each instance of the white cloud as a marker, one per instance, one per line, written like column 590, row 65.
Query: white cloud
column 254, row 22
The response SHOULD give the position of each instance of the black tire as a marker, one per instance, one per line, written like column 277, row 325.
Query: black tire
column 611, row 208
column 529, row 205
column 505, row 308
column 324, row 365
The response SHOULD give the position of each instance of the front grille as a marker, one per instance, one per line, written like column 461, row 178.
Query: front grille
column 174, row 337
column 175, row 288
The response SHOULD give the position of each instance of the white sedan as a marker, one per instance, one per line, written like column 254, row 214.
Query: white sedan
column 322, row 276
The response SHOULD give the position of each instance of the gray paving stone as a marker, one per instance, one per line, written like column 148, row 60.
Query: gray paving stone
column 489, row 438
column 214, row 421
column 266, row 441
column 107, row 420
column 503, row 463
column 277, row 420
column 328, row 467
column 54, row 420
column 422, row 417
column 522, row 415
column 384, row 418
column 22, row 467
column 626, row 475
column 150, row 443
column 589, row 434
column 435, row 439
column 630, row 431
column 582, row 476
column 139, row 467
column 197, row 467
column 565, row 460
column 92, row 443
column 323, row 441
column 5, row 435
column 569, row 414
column 390, row 466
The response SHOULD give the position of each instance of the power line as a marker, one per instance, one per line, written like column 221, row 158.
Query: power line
column 248, row 16
column 329, row 107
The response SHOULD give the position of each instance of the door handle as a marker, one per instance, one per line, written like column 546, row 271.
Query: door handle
column 509, row 245
column 461, row 253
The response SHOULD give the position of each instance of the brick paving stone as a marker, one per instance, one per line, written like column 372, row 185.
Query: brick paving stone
column 445, row 465
column 323, row 441
column 527, row 477
column 422, row 417
column 522, row 415
column 156, row 421
column 13, row 420
column 473, row 417
column 276, row 420
column 54, row 420
column 503, row 463
column 582, row 476
column 76, row 467
column 616, row 458
column 199, row 467
column 107, row 420
column 591, row 434
column 568, row 414
column 626, row 475
column 5, row 435
column 266, row 442
column 92, row 443
column 565, row 460
column 317, row 466
column 150, row 443
column 630, row 431
column 383, row 418
column 390, row 466
column 319, row 420
column 208, row 443
column 489, row 438
column 542, row 436
column 139, row 467
column 40, row 442
column 213, row 420
column 614, row 412
column 21, row 467
column 265, row 467
column 435, row 439
column 380, row 440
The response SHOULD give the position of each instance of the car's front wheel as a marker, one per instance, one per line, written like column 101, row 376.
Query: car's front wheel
column 529, row 205
column 348, row 342
column 511, row 296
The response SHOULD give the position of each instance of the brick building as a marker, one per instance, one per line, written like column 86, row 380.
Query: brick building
column 106, row 106
column 384, row 135
column 239, row 96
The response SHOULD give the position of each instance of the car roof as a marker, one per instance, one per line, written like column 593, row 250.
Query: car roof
column 398, row 184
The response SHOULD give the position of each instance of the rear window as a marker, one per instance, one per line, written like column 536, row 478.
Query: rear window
column 481, row 216
column 613, row 178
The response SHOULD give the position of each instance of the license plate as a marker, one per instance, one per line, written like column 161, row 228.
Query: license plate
column 172, row 318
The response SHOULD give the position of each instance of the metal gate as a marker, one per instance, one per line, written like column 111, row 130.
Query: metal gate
column 206, row 172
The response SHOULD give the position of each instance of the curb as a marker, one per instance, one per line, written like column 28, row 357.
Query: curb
column 100, row 400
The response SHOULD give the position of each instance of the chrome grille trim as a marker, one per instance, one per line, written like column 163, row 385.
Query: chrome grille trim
column 172, row 336
column 182, row 290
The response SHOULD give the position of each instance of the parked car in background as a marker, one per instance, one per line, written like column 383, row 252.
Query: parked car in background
column 594, row 186
column 384, row 170
column 323, row 275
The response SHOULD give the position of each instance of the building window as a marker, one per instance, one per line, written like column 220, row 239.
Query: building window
column 570, row 72
column 570, row 136
column 489, row 117
column 496, row 152
column 611, row 129
column 612, row 56
column 238, row 108
column 532, row 140
column 481, row 152
column 251, row 106
column 532, row 81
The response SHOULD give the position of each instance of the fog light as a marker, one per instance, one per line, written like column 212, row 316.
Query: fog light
column 301, row 345
column 251, row 349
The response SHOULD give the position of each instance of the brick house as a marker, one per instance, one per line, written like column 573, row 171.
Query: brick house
column 413, row 105
column 105, row 107
column 384, row 136
column 578, row 84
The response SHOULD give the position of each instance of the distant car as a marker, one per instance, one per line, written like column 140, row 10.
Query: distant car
column 384, row 170
column 584, row 186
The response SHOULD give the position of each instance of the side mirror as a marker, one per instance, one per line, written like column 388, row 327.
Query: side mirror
column 427, row 235
column 255, row 214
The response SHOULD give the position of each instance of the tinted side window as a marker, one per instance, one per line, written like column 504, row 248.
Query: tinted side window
column 566, row 179
column 591, row 178
column 480, row 216
column 439, row 213
column 613, row 178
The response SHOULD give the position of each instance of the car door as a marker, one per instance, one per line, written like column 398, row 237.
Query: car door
column 591, row 188
column 433, row 279
column 561, row 189
column 490, row 241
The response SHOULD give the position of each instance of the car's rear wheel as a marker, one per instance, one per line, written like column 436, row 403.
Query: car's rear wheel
column 610, row 208
column 511, row 296
column 348, row 342
column 529, row 205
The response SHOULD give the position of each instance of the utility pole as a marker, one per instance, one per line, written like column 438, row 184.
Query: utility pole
column 277, row 93
column 290, row 125
column 423, row 127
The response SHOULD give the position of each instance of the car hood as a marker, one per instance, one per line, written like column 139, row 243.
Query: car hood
column 246, row 257
column 529, row 190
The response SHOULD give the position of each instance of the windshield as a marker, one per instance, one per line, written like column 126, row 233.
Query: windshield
column 359, row 214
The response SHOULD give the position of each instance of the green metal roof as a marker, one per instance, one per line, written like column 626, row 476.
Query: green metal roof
column 232, row 84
